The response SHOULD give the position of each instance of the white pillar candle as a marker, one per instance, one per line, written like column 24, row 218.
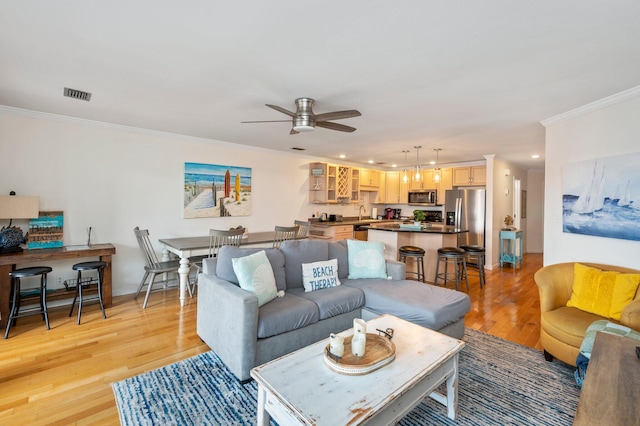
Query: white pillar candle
column 358, row 345
column 359, row 326
column 336, row 345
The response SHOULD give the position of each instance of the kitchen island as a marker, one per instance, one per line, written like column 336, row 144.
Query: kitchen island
column 429, row 237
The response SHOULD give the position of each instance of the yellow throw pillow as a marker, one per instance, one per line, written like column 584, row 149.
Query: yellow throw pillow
column 603, row 293
column 624, row 293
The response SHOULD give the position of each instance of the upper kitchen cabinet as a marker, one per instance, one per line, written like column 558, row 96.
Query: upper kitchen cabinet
column 332, row 183
column 446, row 183
column 369, row 180
column 318, row 191
column 396, row 191
column 469, row 176
column 354, row 185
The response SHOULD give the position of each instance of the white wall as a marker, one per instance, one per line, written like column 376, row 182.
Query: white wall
column 535, row 211
column 116, row 178
column 604, row 129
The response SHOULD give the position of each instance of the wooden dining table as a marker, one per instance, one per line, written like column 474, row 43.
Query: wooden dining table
column 186, row 247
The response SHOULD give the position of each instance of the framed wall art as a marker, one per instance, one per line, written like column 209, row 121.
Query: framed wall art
column 212, row 190
column 601, row 197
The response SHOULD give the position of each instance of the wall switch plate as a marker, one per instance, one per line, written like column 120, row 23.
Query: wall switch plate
column 60, row 280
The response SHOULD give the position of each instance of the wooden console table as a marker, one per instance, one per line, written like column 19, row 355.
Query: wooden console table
column 42, row 257
column 610, row 394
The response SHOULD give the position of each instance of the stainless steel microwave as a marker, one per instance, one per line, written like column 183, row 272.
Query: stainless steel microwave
column 423, row 197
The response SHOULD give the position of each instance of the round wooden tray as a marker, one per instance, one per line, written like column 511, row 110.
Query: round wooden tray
column 379, row 352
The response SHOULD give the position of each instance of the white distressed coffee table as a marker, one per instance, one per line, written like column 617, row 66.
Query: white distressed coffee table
column 299, row 388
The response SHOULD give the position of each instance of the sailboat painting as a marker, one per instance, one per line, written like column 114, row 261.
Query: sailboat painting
column 602, row 197
column 212, row 190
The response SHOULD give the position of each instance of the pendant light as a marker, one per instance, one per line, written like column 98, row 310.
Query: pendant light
column 417, row 175
column 405, row 178
column 436, row 174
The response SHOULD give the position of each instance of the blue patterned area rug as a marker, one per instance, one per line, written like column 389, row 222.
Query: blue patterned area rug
column 501, row 383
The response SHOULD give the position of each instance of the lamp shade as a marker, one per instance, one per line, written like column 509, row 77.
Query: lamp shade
column 19, row 207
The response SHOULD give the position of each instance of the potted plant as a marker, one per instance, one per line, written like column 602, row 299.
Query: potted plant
column 419, row 216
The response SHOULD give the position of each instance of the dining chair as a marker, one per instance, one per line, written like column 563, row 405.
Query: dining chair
column 303, row 228
column 217, row 239
column 153, row 266
column 284, row 233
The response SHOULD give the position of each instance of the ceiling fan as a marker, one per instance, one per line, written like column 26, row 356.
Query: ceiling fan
column 304, row 120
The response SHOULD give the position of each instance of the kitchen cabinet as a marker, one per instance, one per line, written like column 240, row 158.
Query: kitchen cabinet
column 446, row 183
column 369, row 179
column 396, row 191
column 354, row 185
column 469, row 176
column 333, row 183
column 332, row 232
column 318, row 183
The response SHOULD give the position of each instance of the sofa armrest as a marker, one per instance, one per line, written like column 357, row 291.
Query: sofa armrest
column 227, row 321
column 396, row 270
column 209, row 265
column 555, row 284
column 631, row 315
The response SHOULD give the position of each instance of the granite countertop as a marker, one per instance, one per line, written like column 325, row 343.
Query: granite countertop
column 350, row 221
column 426, row 228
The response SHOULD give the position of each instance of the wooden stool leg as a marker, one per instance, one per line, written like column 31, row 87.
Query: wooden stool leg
column 15, row 287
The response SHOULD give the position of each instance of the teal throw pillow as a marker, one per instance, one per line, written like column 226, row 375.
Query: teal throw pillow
column 366, row 259
column 255, row 274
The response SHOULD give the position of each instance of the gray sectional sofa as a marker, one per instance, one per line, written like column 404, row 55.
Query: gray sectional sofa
column 245, row 335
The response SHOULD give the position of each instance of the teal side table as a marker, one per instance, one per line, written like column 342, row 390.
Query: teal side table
column 511, row 248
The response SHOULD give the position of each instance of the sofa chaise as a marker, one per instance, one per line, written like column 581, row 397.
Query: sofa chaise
column 244, row 334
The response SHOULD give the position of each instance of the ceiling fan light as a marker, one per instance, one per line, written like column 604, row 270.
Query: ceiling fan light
column 304, row 123
column 303, row 128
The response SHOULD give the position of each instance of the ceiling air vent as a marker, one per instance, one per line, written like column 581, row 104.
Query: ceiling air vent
column 295, row 148
column 77, row 94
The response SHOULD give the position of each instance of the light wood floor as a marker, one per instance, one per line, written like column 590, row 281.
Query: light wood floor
column 63, row 376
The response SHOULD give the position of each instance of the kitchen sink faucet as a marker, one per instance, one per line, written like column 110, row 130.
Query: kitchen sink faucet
column 360, row 211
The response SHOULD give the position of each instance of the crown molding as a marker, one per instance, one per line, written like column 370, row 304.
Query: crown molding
column 632, row 93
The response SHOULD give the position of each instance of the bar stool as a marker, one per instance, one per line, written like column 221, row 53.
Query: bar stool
column 475, row 258
column 15, row 276
column 455, row 256
column 414, row 254
column 88, row 266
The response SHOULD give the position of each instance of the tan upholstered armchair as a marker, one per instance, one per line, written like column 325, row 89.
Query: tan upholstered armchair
column 563, row 328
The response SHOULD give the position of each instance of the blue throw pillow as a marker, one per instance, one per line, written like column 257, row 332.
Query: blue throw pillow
column 366, row 259
column 255, row 274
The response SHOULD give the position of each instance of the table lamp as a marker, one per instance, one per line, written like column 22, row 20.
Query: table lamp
column 16, row 207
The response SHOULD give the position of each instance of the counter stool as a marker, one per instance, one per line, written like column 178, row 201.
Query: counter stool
column 455, row 256
column 14, row 312
column 414, row 254
column 475, row 258
column 88, row 266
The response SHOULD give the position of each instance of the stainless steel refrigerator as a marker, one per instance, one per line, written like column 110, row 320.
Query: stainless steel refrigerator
column 465, row 208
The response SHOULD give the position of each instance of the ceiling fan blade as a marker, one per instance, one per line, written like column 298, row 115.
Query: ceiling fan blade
column 293, row 132
column 282, row 110
column 335, row 126
column 268, row 121
column 337, row 115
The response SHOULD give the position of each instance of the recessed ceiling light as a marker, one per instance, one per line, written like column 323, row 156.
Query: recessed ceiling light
column 535, row 156
column 342, row 156
column 432, row 162
column 394, row 165
column 371, row 161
